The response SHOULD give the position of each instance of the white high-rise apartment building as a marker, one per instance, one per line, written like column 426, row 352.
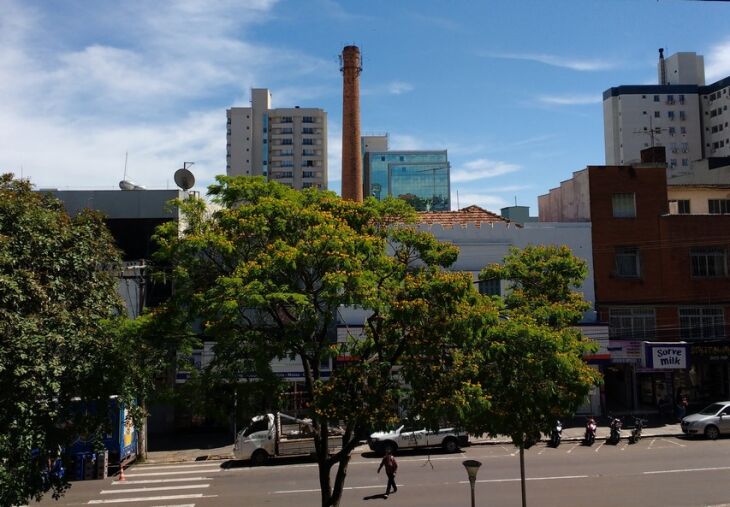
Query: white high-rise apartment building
column 681, row 113
column 288, row 145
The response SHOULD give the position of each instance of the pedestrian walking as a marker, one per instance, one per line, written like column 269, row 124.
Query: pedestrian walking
column 391, row 466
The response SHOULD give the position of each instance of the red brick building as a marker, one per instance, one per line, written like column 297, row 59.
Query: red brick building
column 659, row 277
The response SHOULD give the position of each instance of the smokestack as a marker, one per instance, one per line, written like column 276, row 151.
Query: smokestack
column 351, row 66
column 662, row 68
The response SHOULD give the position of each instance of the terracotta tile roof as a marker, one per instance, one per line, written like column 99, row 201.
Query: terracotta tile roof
column 469, row 215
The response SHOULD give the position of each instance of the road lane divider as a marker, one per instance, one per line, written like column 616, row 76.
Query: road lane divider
column 685, row 470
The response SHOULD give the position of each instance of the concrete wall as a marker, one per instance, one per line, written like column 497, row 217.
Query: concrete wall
column 142, row 204
column 568, row 203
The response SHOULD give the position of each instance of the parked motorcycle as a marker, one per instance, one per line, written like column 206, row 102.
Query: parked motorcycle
column 615, row 426
column 590, row 435
column 556, row 434
column 636, row 431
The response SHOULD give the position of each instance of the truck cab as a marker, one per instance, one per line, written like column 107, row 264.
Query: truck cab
column 257, row 441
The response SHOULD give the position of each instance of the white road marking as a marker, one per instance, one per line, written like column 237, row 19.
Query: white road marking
column 682, row 470
column 178, row 505
column 561, row 477
column 181, row 472
column 651, row 444
column 673, row 442
column 160, row 488
column 172, row 467
column 157, row 481
column 599, row 446
column 150, row 498
column 379, row 486
column 572, row 448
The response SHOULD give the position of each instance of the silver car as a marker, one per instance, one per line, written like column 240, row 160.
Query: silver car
column 711, row 421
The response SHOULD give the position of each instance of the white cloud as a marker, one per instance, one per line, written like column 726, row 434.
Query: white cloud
column 717, row 62
column 399, row 87
column 570, row 100
column 396, row 87
column 482, row 168
column 406, row 142
column 72, row 106
column 583, row 65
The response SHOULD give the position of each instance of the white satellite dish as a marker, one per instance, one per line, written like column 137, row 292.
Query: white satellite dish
column 184, row 179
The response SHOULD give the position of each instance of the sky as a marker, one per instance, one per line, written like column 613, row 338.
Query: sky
column 511, row 89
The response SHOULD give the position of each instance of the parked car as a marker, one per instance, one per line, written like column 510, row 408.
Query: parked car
column 711, row 421
column 413, row 437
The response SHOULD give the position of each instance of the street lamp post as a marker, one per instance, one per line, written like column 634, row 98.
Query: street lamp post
column 472, row 467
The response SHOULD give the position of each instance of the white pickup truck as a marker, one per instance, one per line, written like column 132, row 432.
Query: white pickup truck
column 278, row 434
column 411, row 437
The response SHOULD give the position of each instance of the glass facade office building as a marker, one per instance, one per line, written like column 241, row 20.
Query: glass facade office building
column 420, row 177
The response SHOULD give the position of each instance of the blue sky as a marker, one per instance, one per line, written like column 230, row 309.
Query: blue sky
column 511, row 89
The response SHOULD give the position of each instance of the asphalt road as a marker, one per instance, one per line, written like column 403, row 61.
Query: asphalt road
column 654, row 472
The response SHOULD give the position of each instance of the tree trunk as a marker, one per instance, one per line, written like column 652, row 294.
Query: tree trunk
column 522, row 474
column 142, row 441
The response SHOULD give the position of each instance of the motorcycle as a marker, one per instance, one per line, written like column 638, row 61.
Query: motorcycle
column 556, row 434
column 636, row 431
column 615, row 426
column 590, row 435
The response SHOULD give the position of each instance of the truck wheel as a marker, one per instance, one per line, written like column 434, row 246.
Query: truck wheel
column 259, row 458
column 389, row 447
column 450, row 445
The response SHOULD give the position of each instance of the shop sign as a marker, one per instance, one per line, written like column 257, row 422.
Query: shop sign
column 625, row 351
column 666, row 356
column 711, row 351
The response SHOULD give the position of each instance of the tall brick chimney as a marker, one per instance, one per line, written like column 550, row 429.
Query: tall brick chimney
column 351, row 66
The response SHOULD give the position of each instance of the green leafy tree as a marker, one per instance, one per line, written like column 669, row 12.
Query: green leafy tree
column 58, row 303
column 267, row 273
column 533, row 363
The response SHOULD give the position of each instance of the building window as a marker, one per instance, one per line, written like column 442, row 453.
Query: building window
column 719, row 206
column 656, row 98
column 307, row 119
column 307, row 174
column 682, row 116
column 683, row 130
column 657, row 114
column 627, row 262
column 673, row 162
column 631, row 324
column 286, row 141
column 681, row 99
column 685, row 162
column 683, row 206
column 489, row 287
column 670, row 99
column 670, row 115
column 701, row 323
column 671, row 131
column 307, row 130
column 308, row 141
column 708, row 262
column 624, row 205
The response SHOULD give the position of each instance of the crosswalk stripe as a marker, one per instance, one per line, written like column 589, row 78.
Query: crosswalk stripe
column 160, row 488
column 172, row 467
column 177, row 505
column 181, row 472
column 150, row 498
column 158, row 481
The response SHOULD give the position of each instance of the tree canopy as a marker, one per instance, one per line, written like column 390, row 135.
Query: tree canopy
column 58, row 302
column 267, row 274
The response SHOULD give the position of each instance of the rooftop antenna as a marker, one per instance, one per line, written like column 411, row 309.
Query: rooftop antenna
column 126, row 184
column 458, row 208
column 652, row 132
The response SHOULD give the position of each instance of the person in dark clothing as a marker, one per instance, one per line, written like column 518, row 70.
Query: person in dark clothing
column 391, row 466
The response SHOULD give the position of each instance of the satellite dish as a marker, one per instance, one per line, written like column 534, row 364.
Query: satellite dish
column 184, row 179
column 126, row 185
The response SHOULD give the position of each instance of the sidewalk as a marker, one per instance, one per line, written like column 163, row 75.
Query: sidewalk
column 198, row 450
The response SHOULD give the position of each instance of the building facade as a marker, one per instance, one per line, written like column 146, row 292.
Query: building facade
column 288, row 145
column 661, row 285
column 681, row 113
column 421, row 177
